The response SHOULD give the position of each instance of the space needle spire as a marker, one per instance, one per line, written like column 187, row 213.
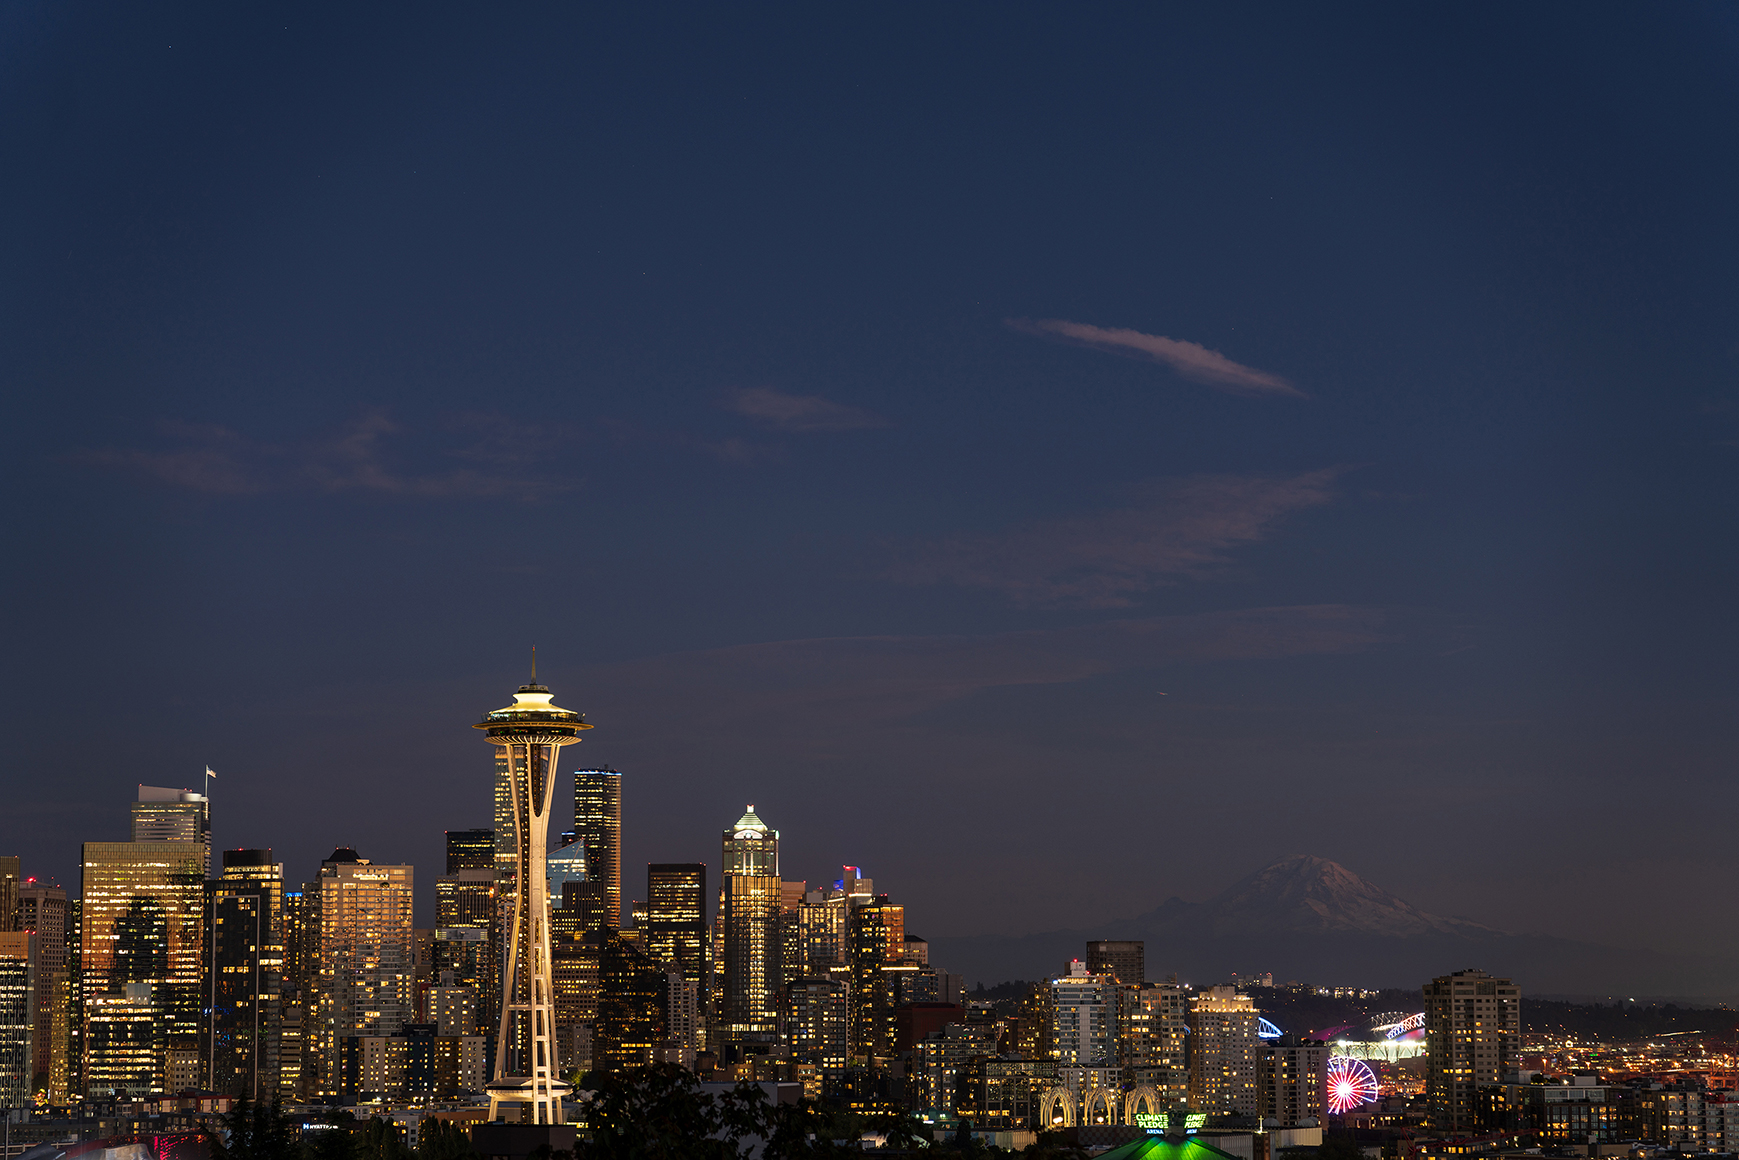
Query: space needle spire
column 530, row 733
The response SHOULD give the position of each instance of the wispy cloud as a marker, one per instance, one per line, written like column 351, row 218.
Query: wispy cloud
column 801, row 412
column 1192, row 360
column 219, row 461
column 1177, row 528
column 835, row 682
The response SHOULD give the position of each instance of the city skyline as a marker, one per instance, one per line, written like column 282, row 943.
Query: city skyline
column 1314, row 425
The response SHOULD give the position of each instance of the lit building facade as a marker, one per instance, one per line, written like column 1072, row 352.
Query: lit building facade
column 1154, row 1039
column 11, row 878
column 43, row 911
column 173, row 815
column 366, row 974
column 676, row 917
column 1223, row 1051
column 142, row 950
column 243, row 974
column 1289, row 1075
column 1125, row 961
column 630, row 1024
column 17, row 1016
column 875, row 941
column 598, row 829
column 1473, row 1035
column 470, row 850
column 1084, row 1018
column 817, row 1022
column 750, row 900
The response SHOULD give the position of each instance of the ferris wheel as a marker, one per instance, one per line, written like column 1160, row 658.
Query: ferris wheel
column 1349, row 1082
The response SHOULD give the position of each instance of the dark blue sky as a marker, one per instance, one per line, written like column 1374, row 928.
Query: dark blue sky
column 869, row 413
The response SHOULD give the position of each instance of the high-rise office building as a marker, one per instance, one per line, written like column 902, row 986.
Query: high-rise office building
column 142, row 948
column 750, row 896
column 1154, row 1031
column 630, row 1025
column 821, row 926
column 299, row 1041
column 875, row 940
column 598, row 829
column 467, row 938
column 1124, row 961
column 566, row 864
column 817, row 1022
column 42, row 911
column 1224, row 1046
column 676, row 917
column 243, row 976
column 528, row 736
column 75, row 1008
column 173, row 815
column 11, row 878
column 1473, row 1035
column 365, row 955
column 684, row 1025
column 470, row 850
column 1084, row 1018
column 1289, row 1075
column 17, row 1016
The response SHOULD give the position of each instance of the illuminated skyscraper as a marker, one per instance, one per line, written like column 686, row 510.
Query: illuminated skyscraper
column 365, row 955
column 11, row 875
column 1224, row 1050
column 467, row 936
column 1152, row 1039
column 875, row 940
column 598, row 828
column 529, row 735
column 676, row 917
column 1124, row 960
column 1473, row 1035
column 17, row 1019
column 568, row 864
column 1290, row 1076
column 173, row 815
column 42, row 911
column 750, row 896
column 243, row 976
column 141, row 951
column 470, row 850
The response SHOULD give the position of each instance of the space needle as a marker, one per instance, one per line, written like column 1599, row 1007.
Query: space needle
column 530, row 732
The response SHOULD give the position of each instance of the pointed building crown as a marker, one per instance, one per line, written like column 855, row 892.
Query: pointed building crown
column 750, row 827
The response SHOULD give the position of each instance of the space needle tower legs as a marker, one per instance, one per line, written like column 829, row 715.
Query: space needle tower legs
column 531, row 733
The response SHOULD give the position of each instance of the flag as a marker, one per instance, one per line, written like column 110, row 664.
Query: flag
column 208, row 772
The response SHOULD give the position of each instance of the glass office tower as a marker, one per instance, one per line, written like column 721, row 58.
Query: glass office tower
column 750, row 899
column 141, row 953
column 598, row 827
column 676, row 916
column 244, row 973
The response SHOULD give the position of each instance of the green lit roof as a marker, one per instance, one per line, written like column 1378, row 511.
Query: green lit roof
column 1166, row 1148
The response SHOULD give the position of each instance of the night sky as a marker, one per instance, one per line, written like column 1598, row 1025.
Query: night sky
column 1053, row 457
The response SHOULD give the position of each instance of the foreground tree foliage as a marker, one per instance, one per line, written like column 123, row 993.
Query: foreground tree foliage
column 661, row 1113
column 443, row 1140
column 255, row 1132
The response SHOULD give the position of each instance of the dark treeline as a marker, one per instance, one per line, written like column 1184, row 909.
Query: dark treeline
column 651, row 1113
